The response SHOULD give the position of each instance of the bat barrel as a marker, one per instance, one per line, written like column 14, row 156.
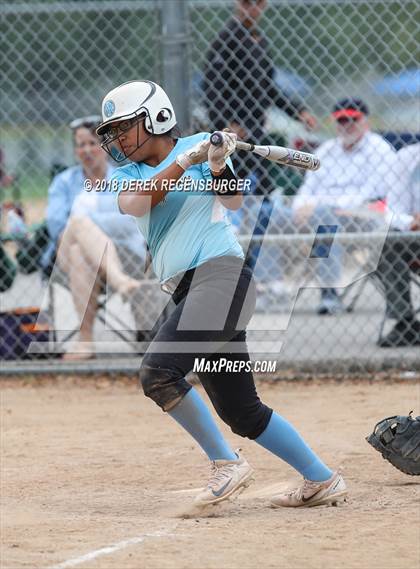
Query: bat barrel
column 304, row 160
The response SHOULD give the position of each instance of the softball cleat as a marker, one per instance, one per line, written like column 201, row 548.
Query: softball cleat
column 311, row 493
column 227, row 478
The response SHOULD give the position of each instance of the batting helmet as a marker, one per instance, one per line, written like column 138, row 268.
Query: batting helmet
column 136, row 99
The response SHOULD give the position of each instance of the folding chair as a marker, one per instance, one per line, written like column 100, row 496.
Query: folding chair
column 103, row 314
column 144, row 304
column 360, row 281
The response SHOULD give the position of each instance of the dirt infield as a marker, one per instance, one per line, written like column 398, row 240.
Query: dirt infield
column 93, row 465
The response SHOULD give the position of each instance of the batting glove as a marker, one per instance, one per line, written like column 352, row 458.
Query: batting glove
column 195, row 155
column 219, row 154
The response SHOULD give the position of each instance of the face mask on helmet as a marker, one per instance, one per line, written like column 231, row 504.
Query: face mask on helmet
column 111, row 138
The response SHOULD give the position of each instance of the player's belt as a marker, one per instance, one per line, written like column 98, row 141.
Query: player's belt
column 168, row 286
column 227, row 262
column 171, row 284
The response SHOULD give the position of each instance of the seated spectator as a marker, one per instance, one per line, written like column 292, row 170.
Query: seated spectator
column 356, row 168
column 398, row 256
column 85, row 227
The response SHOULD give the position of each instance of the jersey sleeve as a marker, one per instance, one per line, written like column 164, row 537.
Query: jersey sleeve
column 120, row 181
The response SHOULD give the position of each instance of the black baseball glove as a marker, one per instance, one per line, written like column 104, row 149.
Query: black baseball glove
column 398, row 440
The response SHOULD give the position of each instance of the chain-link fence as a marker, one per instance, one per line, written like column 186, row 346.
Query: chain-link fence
column 273, row 72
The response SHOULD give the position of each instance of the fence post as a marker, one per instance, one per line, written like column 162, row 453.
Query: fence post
column 175, row 58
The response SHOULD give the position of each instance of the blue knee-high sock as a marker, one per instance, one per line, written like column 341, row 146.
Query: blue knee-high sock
column 193, row 414
column 282, row 439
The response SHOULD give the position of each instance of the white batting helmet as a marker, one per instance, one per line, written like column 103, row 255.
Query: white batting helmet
column 136, row 99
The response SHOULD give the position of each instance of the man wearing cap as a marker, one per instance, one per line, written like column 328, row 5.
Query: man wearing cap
column 357, row 170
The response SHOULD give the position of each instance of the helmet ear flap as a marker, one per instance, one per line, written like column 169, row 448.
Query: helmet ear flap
column 164, row 115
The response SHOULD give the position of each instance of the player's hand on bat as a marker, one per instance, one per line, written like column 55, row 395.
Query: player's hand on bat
column 194, row 155
column 308, row 120
column 218, row 154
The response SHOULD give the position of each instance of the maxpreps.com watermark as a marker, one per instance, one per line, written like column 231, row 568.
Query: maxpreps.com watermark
column 202, row 365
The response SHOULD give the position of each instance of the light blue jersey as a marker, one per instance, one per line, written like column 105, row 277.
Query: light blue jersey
column 187, row 228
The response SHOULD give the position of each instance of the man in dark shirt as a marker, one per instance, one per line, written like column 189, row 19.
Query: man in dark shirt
column 239, row 86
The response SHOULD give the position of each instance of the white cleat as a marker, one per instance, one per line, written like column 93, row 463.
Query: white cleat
column 227, row 477
column 312, row 493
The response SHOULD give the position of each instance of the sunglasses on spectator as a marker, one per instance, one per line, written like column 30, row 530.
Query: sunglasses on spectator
column 87, row 122
column 347, row 120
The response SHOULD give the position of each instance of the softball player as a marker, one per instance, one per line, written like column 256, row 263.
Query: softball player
column 198, row 259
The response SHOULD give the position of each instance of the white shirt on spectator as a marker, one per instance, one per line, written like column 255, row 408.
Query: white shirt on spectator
column 349, row 178
column 404, row 198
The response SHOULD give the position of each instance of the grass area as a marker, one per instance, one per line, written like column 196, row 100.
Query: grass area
column 33, row 187
column 32, row 192
column 30, row 153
